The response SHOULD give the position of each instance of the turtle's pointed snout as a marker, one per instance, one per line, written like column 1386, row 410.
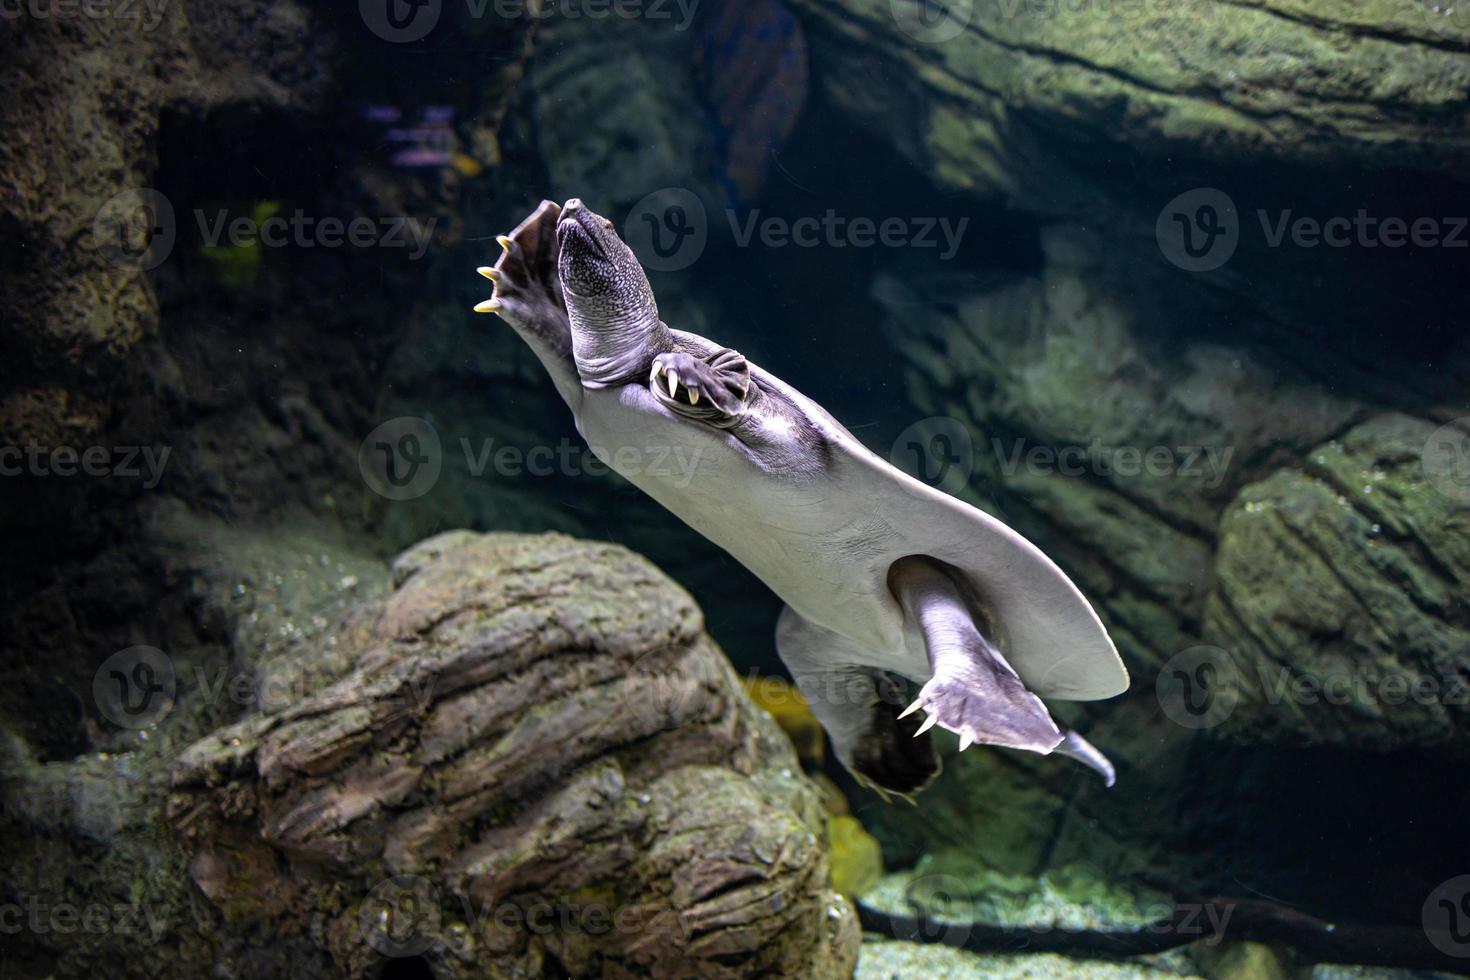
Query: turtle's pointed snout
column 573, row 204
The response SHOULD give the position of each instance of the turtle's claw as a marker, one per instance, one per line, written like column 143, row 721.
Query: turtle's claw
column 716, row 386
column 527, row 292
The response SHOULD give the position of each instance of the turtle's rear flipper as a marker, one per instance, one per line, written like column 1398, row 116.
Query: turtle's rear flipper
column 858, row 707
column 974, row 692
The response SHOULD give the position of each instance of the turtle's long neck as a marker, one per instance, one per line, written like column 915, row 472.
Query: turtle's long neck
column 615, row 346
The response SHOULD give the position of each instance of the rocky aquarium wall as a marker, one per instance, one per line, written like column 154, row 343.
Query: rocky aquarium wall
column 330, row 647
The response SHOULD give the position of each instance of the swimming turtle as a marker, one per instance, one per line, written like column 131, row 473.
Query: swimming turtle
column 881, row 574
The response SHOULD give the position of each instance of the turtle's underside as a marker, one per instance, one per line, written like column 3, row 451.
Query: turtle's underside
column 881, row 574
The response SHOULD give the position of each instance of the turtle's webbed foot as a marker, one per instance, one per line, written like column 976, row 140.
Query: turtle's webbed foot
column 710, row 389
column 527, row 290
column 986, row 706
column 890, row 755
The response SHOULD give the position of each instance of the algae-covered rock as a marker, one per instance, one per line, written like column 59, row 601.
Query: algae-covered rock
column 990, row 96
column 1339, row 600
column 539, row 763
column 84, row 100
column 890, row 960
column 84, row 839
column 530, row 736
column 1242, row 961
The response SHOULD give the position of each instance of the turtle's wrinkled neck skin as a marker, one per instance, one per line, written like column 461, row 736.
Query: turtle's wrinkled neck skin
column 615, row 326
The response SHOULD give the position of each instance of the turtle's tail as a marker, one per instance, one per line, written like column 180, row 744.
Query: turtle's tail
column 1085, row 752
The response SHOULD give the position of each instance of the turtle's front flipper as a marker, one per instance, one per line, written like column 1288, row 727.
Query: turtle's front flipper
column 856, row 707
column 712, row 389
column 974, row 692
column 527, row 290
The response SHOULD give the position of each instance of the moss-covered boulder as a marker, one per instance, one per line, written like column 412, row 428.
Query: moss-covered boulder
column 1339, row 600
column 982, row 96
column 540, row 763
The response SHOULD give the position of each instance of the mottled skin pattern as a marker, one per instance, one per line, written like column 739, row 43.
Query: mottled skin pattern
column 881, row 575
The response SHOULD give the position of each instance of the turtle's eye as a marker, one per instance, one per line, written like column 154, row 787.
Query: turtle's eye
column 606, row 223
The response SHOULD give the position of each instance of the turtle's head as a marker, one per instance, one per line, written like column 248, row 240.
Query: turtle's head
column 615, row 326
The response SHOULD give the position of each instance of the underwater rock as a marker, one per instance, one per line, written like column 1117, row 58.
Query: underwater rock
column 890, row 960
column 611, row 114
column 1022, row 98
column 1332, row 971
column 1241, row 961
column 79, row 305
column 275, row 615
column 540, row 763
column 1338, row 598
